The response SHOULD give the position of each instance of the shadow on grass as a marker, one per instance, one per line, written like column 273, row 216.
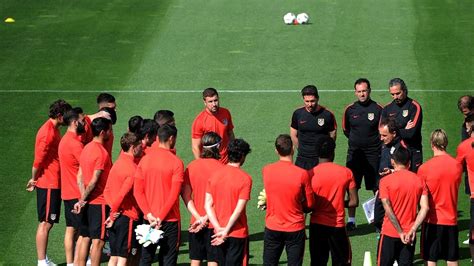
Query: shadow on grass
column 363, row 229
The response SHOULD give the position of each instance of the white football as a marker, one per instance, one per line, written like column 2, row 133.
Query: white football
column 302, row 18
column 288, row 18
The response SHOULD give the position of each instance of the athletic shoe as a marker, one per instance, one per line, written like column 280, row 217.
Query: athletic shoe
column 350, row 226
column 466, row 242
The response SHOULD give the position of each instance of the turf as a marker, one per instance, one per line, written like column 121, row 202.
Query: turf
column 138, row 49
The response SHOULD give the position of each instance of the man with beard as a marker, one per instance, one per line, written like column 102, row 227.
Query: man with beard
column 45, row 177
column 70, row 149
column 409, row 118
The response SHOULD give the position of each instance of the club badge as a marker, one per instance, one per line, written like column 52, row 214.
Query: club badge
column 405, row 113
column 370, row 116
column 224, row 121
column 321, row 122
column 53, row 216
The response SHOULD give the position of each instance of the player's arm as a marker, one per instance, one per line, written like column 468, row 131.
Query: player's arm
column 346, row 127
column 196, row 147
column 414, row 124
column 91, row 186
column 333, row 134
column 210, row 211
column 173, row 196
column 420, row 217
column 126, row 187
column 186, row 195
column 41, row 150
column 308, row 202
column 353, row 198
column 393, row 219
column 140, row 197
column 294, row 137
column 222, row 234
column 231, row 134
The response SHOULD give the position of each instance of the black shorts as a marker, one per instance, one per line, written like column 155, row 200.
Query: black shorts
column 122, row 237
column 275, row 241
column 327, row 239
column 169, row 244
column 392, row 249
column 72, row 219
column 471, row 225
column 439, row 242
column 234, row 251
column 200, row 244
column 93, row 219
column 48, row 203
column 416, row 160
column 364, row 163
column 306, row 163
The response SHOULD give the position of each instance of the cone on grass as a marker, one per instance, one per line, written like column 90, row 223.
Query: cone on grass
column 367, row 259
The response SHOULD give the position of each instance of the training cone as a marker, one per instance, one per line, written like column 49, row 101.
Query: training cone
column 9, row 20
column 367, row 259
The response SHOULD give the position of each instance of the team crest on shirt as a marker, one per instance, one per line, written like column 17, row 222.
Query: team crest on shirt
column 53, row 216
column 134, row 251
column 405, row 113
column 321, row 121
column 370, row 116
column 225, row 122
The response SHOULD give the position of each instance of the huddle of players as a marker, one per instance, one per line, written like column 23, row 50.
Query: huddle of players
column 216, row 192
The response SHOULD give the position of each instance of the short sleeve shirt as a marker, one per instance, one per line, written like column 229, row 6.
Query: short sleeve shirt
column 70, row 149
column 46, row 156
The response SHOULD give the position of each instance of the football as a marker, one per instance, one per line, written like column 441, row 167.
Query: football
column 288, row 18
column 302, row 18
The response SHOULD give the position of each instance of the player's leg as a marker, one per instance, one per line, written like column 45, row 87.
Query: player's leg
column 356, row 162
column 42, row 234
column 340, row 246
column 83, row 242
column 273, row 243
column 83, row 248
column 450, row 244
column 212, row 251
column 49, row 207
column 168, row 254
column 386, row 251
column 318, row 244
column 71, row 234
column 295, row 247
column 236, row 251
column 198, row 247
column 471, row 229
column 97, row 214
column 407, row 254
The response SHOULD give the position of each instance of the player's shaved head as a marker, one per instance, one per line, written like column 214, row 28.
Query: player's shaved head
column 439, row 139
column 284, row 145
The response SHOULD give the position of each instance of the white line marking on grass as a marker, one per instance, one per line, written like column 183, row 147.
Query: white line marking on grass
column 199, row 91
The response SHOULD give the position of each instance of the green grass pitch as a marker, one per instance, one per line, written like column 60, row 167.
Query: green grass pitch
column 159, row 54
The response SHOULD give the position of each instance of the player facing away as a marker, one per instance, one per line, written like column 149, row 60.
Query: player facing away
column 289, row 197
column 212, row 118
column 360, row 125
column 69, row 151
column 401, row 192
column 330, row 183
column 227, row 193
column 442, row 175
column 409, row 118
column 94, row 167
column 45, row 176
column 158, row 181
column 193, row 193
column 309, row 124
column 124, row 211
column 466, row 107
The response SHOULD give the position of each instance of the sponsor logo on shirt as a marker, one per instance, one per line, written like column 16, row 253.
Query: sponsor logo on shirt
column 392, row 114
column 321, row 121
column 355, row 116
column 302, row 121
column 370, row 116
column 405, row 113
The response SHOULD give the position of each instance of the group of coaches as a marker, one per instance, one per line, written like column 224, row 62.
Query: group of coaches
column 312, row 131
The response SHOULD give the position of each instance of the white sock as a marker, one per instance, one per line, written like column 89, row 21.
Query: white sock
column 352, row 220
column 70, row 264
column 42, row 262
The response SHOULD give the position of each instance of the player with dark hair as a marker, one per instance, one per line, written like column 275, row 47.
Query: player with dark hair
column 466, row 107
column 212, row 118
column 69, row 152
column 360, row 125
column 193, row 193
column 309, row 124
column 45, row 177
column 227, row 193
column 164, row 117
column 442, row 175
column 106, row 100
column 135, row 124
column 124, row 211
column 327, row 232
column 409, row 118
column 401, row 192
column 158, row 181
column 94, row 167
column 289, row 196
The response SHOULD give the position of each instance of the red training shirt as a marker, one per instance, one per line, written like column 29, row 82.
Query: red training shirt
column 220, row 123
column 403, row 189
column 227, row 186
column 46, row 156
column 330, row 183
column 158, row 181
column 69, row 151
column 289, row 192
column 197, row 175
column 95, row 157
column 87, row 136
column 442, row 175
column 119, row 188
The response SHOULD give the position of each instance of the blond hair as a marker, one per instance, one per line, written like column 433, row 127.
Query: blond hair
column 439, row 139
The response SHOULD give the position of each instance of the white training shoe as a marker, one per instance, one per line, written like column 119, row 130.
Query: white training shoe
column 88, row 262
column 466, row 242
